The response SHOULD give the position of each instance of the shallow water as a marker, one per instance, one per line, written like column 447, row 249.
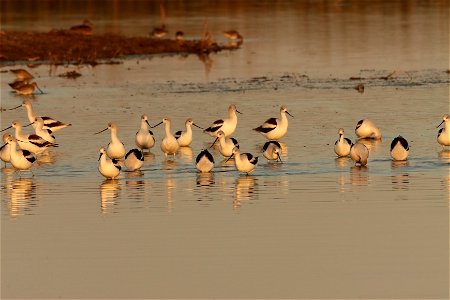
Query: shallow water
column 310, row 227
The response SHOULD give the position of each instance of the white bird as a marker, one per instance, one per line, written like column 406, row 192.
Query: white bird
column 204, row 161
column 359, row 154
column 226, row 145
column 46, row 134
column 49, row 123
column 366, row 129
column 144, row 138
column 134, row 159
column 342, row 145
column 184, row 138
column 116, row 148
column 30, row 142
column 399, row 148
column 169, row 144
column 5, row 152
column 109, row 168
column 272, row 150
column 20, row 159
column 443, row 137
column 228, row 126
column 244, row 162
column 273, row 128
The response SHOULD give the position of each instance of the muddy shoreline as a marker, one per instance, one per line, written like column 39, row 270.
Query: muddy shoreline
column 64, row 47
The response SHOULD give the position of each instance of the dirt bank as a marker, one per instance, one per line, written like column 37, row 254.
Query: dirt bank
column 60, row 47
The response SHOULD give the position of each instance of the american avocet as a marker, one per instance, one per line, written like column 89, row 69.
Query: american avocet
column 169, row 144
column 22, row 74
column 273, row 128
column 46, row 134
column 116, row 148
column 228, row 126
column 30, row 142
column 85, row 28
column 226, row 145
column 359, row 153
column 20, row 159
column 204, row 161
column 28, row 89
column 49, row 123
column 244, row 162
column 342, row 145
column 144, row 138
column 399, row 148
column 109, row 168
column 184, row 138
column 5, row 152
column 366, row 128
column 134, row 159
column 272, row 150
column 443, row 137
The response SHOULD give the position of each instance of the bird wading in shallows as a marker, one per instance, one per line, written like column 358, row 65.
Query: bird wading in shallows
column 273, row 128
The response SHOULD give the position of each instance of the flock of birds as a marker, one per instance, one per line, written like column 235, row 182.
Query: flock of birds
column 114, row 156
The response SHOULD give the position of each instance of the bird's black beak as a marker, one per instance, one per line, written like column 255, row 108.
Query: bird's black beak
column 157, row 124
column 239, row 112
column 229, row 157
column 3, row 146
column 289, row 114
column 101, row 131
column 15, row 107
column 6, row 128
column 148, row 123
column 100, row 156
column 30, row 124
column 214, row 142
column 279, row 157
column 440, row 123
column 197, row 126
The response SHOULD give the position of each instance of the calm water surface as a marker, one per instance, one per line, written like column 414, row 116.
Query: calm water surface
column 310, row 227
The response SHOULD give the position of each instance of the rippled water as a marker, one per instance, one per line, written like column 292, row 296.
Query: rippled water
column 311, row 227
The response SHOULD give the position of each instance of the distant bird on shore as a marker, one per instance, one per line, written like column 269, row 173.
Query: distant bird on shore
column 233, row 35
column 366, row 129
column 159, row 32
column 22, row 74
column 84, row 29
column 179, row 37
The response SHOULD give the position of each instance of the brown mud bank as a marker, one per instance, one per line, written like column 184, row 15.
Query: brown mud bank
column 62, row 47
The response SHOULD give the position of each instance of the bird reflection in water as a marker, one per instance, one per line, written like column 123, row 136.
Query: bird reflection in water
column 371, row 144
column 359, row 176
column 245, row 190
column 46, row 158
column 170, row 186
column 22, row 198
column 444, row 155
column 205, row 179
column 109, row 194
column 186, row 153
column 400, row 180
column 149, row 157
